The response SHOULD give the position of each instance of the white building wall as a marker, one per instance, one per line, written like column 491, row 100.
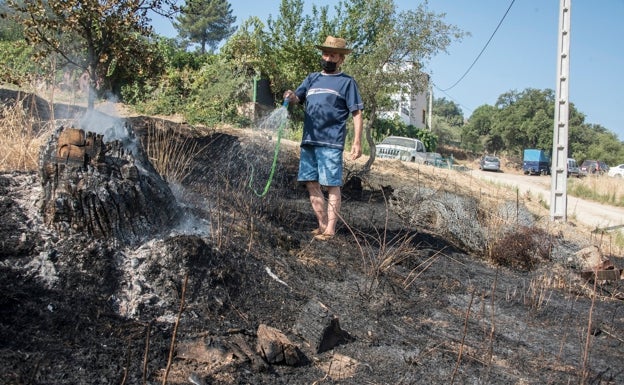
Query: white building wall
column 411, row 109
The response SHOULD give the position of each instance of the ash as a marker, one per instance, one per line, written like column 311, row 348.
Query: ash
column 421, row 306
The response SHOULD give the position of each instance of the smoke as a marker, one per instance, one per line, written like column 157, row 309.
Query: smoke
column 105, row 121
column 194, row 218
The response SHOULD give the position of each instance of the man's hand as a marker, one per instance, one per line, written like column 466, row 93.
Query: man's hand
column 356, row 151
column 291, row 97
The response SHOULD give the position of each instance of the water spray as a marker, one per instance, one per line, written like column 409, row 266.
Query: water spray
column 275, row 153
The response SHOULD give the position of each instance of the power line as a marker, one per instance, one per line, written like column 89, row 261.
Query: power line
column 482, row 50
column 453, row 99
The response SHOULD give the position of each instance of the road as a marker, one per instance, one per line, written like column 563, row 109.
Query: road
column 592, row 214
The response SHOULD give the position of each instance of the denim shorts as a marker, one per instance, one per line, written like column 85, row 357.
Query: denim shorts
column 322, row 164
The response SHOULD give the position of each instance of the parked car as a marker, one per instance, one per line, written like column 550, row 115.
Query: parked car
column 594, row 167
column 617, row 171
column 573, row 168
column 489, row 163
column 435, row 159
column 402, row 148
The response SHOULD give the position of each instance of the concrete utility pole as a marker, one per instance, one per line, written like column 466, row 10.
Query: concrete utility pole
column 430, row 104
column 559, row 166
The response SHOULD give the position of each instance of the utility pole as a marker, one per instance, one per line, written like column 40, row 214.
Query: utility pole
column 430, row 103
column 559, row 166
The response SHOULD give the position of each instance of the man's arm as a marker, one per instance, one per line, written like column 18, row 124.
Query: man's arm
column 356, row 147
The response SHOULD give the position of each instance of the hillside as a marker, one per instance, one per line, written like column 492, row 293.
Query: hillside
column 414, row 279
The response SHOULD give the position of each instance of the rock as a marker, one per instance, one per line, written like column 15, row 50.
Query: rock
column 275, row 347
column 590, row 258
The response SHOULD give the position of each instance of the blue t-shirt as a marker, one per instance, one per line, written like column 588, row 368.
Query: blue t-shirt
column 328, row 99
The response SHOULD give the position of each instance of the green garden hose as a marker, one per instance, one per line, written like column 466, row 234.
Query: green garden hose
column 275, row 153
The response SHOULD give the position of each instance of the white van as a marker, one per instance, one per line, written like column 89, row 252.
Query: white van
column 573, row 168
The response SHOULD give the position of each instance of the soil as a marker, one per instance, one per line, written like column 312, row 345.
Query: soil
column 409, row 277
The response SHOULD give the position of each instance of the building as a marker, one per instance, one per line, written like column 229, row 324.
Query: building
column 413, row 108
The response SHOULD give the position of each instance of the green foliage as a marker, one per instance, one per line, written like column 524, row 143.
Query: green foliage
column 390, row 48
column 9, row 29
column 592, row 141
column 247, row 49
column 525, row 120
column 205, row 22
column 446, row 133
column 16, row 65
column 104, row 38
column 395, row 126
column 290, row 51
column 208, row 96
column 216, row 92
column 162, row 93
column 429, row 139
column 388, row 127
column 449, row 111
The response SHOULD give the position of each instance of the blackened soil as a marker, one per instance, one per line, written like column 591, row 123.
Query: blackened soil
column 422, row 309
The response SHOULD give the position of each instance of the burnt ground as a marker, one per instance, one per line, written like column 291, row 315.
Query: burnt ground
column 419, row 296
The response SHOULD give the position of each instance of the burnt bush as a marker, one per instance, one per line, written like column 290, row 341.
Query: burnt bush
column 521, row 249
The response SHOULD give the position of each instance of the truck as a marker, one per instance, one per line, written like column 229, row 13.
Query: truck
column 535, row 162
column 402, row 148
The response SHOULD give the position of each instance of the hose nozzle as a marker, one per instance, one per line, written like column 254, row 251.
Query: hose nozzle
column 286, row 101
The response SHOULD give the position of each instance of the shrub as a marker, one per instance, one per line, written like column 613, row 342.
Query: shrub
column 522, row 248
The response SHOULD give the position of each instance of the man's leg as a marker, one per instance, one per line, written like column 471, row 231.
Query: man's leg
column 333, row 209
column 318, row 204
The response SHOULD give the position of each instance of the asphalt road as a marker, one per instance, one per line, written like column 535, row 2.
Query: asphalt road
column 592, row 214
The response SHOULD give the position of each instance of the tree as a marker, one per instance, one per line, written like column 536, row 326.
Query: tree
column 289, row 49
column 282, row 51
column 525, row 119
column 390, row 51
column 205, row 22
column 246, row 48
column 447, row 121
column 448, row 110
column 99, row 37
column 478, row 128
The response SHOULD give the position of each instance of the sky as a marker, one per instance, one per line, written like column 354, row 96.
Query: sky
column 513, row 45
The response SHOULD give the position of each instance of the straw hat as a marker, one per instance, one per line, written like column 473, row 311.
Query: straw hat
column 334, row 44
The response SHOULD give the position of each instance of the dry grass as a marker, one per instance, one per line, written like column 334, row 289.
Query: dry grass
column 20, row 142
column 601, row 188
column 170, row 151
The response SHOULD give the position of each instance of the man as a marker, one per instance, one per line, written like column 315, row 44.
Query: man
column 329, row 97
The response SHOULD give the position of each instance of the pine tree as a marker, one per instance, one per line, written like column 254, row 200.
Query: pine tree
column 205, row 22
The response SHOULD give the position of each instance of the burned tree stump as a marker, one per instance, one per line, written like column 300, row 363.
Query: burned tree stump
column 320, row 327
column 105, row 190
